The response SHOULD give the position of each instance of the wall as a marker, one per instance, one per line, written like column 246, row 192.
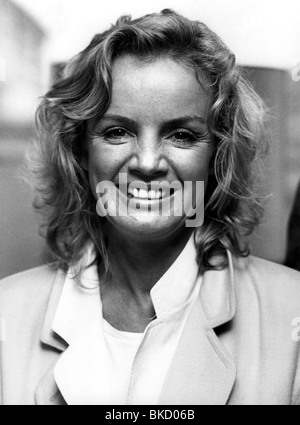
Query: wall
column 282, row 171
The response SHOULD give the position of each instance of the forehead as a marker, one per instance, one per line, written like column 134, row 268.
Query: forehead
column 162, row 85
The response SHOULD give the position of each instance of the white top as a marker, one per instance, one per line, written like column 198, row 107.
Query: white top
column 105, row 366
column 123, row 347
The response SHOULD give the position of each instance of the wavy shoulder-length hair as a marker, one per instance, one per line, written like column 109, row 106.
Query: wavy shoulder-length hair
column 83, row 93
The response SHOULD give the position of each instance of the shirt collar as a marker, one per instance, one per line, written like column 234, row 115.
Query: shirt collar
column 169, row 295
column 69, row 312
column 176, row 287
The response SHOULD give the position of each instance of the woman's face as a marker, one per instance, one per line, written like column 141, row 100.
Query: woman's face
column 154, row 132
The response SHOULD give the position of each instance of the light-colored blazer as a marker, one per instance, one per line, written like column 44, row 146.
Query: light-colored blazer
column 239, row 346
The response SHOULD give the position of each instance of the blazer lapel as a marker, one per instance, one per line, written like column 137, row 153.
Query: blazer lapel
column 47, row 392
column 70, row 326
column 202, row 371
column 48, row 337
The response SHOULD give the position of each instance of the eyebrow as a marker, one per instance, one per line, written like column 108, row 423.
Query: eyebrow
column 173, row 122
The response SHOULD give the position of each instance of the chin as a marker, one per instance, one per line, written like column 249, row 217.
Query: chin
column 147, row 227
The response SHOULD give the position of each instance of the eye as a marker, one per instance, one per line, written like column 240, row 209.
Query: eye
column 187, row 138
column 183, row 137
column 117, row 134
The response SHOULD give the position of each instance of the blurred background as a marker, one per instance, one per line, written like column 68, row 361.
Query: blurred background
column 37, row 36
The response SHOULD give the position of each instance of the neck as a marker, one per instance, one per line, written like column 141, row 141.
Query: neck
column 139, row 264
column 136, row 265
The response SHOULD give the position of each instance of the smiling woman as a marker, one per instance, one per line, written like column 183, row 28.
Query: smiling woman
column 141, row 307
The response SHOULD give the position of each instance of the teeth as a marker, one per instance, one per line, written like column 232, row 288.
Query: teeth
column 143, row 193
column 147, row 194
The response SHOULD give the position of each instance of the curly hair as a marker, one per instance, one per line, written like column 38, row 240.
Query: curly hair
column 235, row 121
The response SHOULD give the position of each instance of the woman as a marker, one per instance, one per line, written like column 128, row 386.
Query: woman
column 150, row 305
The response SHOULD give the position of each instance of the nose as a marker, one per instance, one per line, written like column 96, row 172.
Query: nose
column 149, row 158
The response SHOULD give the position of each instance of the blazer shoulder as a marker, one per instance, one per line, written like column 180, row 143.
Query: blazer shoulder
column 33, row 285
column 271, row 280
column 268, row 270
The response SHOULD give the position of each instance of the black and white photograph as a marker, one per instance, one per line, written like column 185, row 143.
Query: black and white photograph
column 149, row 205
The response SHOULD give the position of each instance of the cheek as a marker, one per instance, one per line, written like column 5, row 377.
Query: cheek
column 195, row 165
column 97, row 168
column 102, row 164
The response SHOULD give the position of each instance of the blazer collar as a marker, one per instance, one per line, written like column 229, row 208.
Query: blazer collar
column 208, row 376
column 47, row 392
column 217, row 295
column 202, row 371
column 48, row 336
